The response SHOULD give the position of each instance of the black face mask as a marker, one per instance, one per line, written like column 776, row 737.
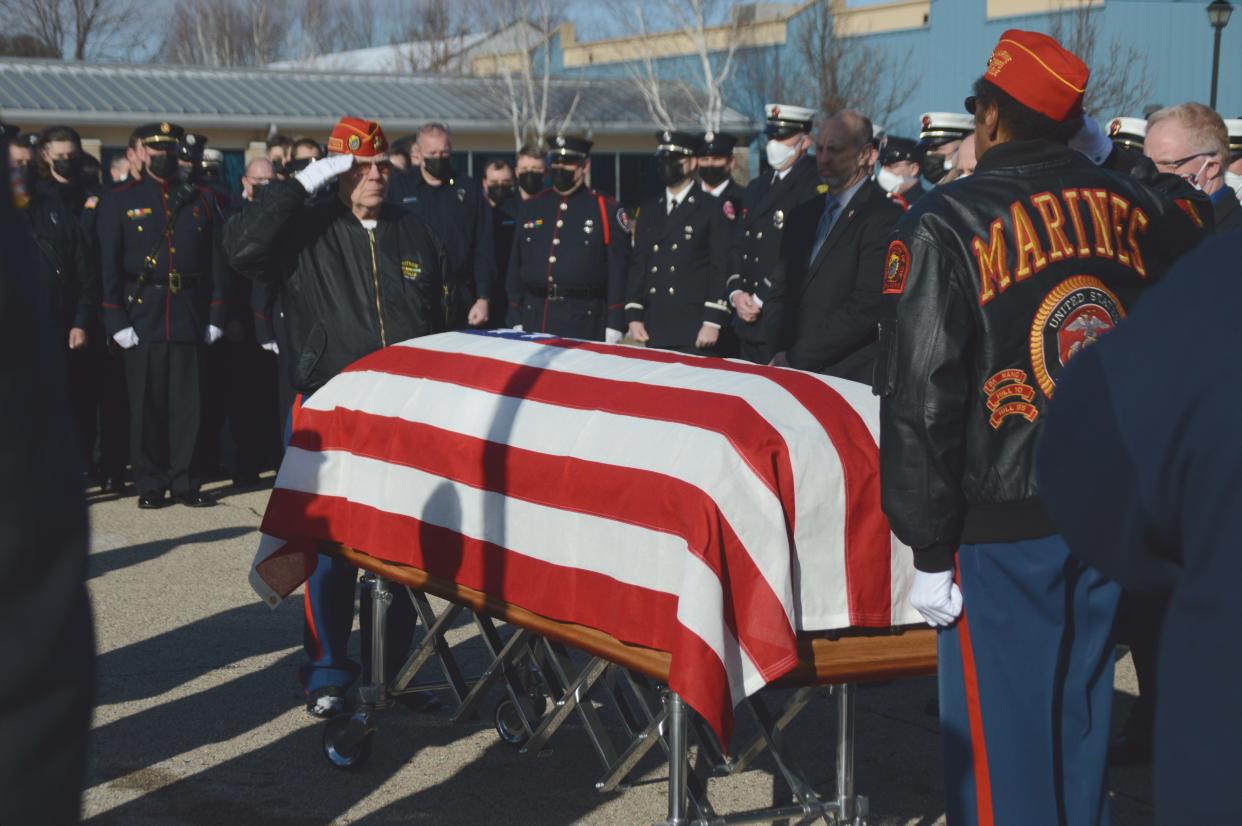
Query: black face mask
column 439, row 168
column 668, row 168
column 68, row 168
column 563, row 178
column 294, row 167
column 530, row 182
column 499, row 193
column 713, row 176
column 932, row 168
column 163, row 165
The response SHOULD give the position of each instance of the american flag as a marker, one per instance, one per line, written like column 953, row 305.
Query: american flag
column 705, row 507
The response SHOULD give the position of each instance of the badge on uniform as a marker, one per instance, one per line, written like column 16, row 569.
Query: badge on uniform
column 623, row 219
column 896, row 268
column 822, row 189
column 729, row 212
column 91, row 202
column 135, row 214
column 778, row 220
column 410, row 269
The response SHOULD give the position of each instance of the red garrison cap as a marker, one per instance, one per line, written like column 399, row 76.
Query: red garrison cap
column 1035, row 70
column 355, row 136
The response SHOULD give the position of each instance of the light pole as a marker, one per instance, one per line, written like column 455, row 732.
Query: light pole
column 1218, row 12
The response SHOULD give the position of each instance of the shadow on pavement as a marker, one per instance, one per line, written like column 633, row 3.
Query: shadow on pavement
column 115, row 559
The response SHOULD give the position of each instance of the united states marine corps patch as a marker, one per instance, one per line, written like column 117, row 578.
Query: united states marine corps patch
column 896, row 268
column 1007, row 395
column 411, row 269
column 355, row 143
column 1077, row 312
column 729, row 211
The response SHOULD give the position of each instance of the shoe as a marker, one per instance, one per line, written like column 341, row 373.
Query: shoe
column 194, row 500
column 151, row 501
column 1129, row 749
column 112, row 484
column 325, row 702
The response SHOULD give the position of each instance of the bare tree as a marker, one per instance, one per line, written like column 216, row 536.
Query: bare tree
column 697, row 25
column 760, row 78
column 72, row 29
column 846, row 71
column 432, row 34
column 227, row 32
column 1119, row 82
column 535, row 105
column 327, row 26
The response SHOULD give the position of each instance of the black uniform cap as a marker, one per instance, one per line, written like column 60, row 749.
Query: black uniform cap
column 192, row 146
column 569, row 147
column 155, row 134
column 717, row 145
column 8, row 131
column 679, row 143
column 899, row 149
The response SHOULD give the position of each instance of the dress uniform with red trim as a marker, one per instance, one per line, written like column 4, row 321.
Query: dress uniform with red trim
column 570, row 252
column 991, row 284
column 164, row 279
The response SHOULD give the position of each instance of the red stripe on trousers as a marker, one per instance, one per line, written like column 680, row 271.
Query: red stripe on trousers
column 752, row 611
column 868, row 539
column 974, row 712
column 628, row 612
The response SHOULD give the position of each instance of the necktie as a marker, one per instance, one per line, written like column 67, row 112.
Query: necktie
column 825, row 224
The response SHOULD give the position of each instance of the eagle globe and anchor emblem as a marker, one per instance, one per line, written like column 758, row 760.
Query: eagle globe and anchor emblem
column 1071, row 317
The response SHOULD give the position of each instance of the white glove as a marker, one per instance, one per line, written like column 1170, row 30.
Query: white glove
column 612, row 336
column 126, row 338
column 936, row 597
column 212, row 335
column 1091, row 141
column 318, row 173
column 271, row 347
column 518, row 327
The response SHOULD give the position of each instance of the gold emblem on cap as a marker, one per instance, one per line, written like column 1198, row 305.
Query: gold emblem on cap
column 560, row 140
column 165, row 128
column 1115, row 126
column 776, row 111
column 709, row 137
column 997, row 61
column 354, row 143
column 666, row 137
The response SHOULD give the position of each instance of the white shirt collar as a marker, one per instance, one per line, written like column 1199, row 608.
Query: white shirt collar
column 674, row 201
column 716, row 192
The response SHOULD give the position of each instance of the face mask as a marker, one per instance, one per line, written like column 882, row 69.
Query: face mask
column 439, row 168
column 294, row 167
column 563, row 178
column 934, row 167
column 713, row 176
column 530, row 182
column 163, row 165
column 1234, row 181
column 68, row 168
column 668, row 168
column 890, row 181
column 779, row 154
column 499, row 193
column 1193, row 180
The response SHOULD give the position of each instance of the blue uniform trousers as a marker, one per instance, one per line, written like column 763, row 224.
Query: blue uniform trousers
column 1026, row 684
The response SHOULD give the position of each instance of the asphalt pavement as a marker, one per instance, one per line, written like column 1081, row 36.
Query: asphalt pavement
column 200, row 717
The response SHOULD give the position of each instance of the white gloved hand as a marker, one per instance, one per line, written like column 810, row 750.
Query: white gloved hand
column 519, row 328
column 936, row 597
column 1091, row 141
column 271, row 347
column 212, row 335
column 126, row 338
column 612, row 336
column 318, row 173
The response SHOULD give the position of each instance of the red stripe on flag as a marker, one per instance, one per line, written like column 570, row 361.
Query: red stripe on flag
column 630, row 613
column 868, row 538
column 633, row 496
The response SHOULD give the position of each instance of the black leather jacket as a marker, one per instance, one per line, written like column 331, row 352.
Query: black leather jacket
column 346, row 291
column 990, row 284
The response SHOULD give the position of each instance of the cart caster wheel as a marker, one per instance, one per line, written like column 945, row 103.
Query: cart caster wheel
column 509, row 722
column 347, row 741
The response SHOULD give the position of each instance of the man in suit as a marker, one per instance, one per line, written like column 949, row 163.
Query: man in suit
column 675, row 298
column 755, row 276
column 833, row 257
column 1192, row 142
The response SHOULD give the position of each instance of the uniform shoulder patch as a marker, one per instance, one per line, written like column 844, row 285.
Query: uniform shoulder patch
column 729, row 211
column 896, row 268
column 623, row 218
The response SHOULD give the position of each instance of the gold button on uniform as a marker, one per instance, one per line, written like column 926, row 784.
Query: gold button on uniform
column 552, row 259
column 672, row 291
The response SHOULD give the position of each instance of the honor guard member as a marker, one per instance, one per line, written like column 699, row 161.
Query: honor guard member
column 570, row 253
column 716, row 171
column 164, row 279
column 1127, row 132
column 675, row 298
column 755, row 284
column 990, row 285
column 939, row 138
column 899, row 171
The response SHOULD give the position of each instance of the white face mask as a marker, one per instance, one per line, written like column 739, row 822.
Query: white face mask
column 890, row 181
column 1193, row 180
column 1234, row 181
column 779, row 154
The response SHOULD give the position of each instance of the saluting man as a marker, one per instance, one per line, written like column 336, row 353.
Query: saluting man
column 164, row 279
column 675, row 295
column 570, row 252
column 756, row 279
column 991, row 284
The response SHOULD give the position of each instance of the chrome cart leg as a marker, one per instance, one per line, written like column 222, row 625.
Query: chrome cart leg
column 678, row 759
column 347, row 737
column 851, row 808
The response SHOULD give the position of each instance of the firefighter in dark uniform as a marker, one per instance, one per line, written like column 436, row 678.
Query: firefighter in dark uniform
column 164, row 280
column 675, row 296
column 716, row 169
column 571, row 247
column 940, row 136
column 899, row 171
column 991, row 284
column 755, row 284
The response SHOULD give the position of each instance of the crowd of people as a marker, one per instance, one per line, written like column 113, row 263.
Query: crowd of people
column 956, row 272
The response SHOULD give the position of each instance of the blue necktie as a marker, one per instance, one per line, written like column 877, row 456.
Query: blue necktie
column 831, row 205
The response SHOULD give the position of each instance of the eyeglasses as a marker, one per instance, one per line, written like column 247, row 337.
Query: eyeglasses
column 1172, row 166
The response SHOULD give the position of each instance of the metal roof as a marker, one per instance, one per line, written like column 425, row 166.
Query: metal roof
column 195, row 97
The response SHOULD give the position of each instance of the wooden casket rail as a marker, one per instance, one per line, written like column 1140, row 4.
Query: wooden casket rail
column 857, row 655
